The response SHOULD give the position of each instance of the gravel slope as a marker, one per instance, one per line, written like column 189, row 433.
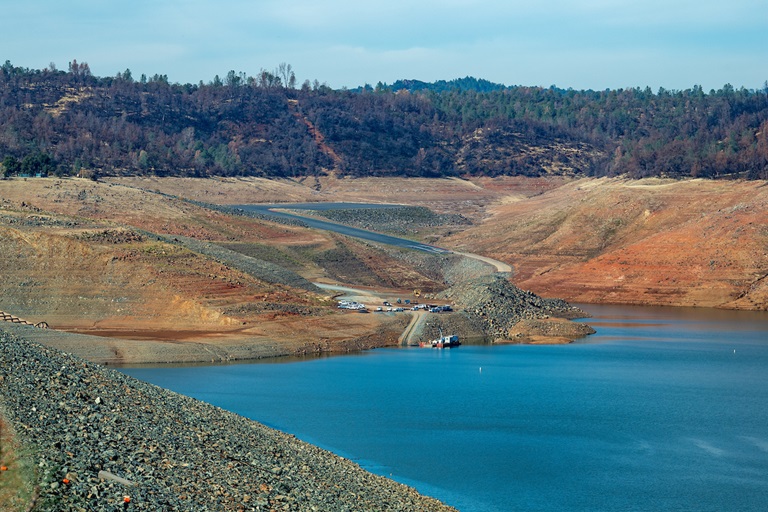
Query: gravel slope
column 182, row 454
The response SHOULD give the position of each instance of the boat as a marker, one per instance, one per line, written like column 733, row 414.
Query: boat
column 442, row 342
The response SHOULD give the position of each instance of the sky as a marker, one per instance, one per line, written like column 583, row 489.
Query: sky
column 579, row 44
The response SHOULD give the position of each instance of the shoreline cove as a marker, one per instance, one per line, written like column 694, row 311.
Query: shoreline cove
column 182, row 453
column 633, row 408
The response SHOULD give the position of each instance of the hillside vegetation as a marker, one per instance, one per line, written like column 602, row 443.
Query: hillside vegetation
column 69, row 123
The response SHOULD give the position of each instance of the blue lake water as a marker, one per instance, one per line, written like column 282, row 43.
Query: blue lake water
column 662, row 409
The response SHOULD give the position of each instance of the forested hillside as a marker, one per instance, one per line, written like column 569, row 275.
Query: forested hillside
column 71, row 122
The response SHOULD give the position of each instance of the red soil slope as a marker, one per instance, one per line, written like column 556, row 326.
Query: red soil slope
column 691, row 243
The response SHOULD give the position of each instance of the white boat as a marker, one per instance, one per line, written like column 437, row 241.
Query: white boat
column 442, row 342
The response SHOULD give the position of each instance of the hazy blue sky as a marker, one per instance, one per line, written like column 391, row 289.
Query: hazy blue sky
column 584, row 44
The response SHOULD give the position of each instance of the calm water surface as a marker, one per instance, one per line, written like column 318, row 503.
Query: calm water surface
column 663, row 409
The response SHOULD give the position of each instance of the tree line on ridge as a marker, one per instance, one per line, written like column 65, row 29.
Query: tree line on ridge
column 72, row 122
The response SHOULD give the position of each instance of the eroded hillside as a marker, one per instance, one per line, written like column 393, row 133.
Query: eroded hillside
column 140, row 260
column 679, row 243
column 652, row 241
column 126, row 263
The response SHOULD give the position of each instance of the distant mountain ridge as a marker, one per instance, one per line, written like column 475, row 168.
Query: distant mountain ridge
column 67, row 123
column 468, row 83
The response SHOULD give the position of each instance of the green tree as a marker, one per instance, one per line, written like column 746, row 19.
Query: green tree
column 11, row 166
column 235, row 79
column 38, row 163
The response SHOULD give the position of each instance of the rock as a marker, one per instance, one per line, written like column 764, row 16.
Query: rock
column 549, row 328
column 496, row 305
column 182, row 454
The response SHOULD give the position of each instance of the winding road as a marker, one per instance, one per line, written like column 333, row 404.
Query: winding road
column 417, row 317
column 274, row 210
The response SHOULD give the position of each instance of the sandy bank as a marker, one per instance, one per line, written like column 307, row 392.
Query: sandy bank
column 161, row 347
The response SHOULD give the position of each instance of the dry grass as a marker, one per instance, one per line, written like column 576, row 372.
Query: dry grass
column 17, row 475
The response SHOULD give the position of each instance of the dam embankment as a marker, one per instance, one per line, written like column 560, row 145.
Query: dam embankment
column 77, row 420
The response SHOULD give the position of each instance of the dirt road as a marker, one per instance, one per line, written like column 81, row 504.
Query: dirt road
column 499, row 265
column 417, row 318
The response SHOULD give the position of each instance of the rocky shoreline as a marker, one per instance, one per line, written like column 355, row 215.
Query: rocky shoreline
column 504, row 313
column 84, row 423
